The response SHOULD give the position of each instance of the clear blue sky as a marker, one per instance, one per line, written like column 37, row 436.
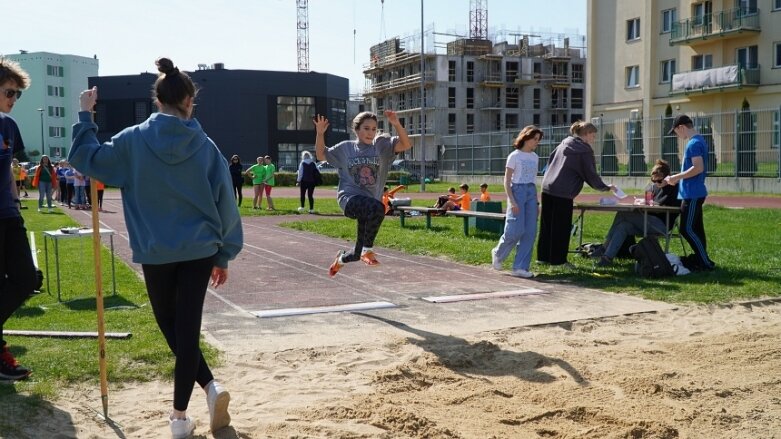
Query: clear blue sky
column 257, row 34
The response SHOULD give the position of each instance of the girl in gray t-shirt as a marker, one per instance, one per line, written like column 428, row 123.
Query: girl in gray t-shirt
column 363, row 166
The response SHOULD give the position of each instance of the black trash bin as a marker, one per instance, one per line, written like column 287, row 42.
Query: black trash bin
column 486, row 224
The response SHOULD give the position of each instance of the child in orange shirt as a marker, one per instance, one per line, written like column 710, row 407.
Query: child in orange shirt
column 484, row 195
column 387, row 195
column 460, row 202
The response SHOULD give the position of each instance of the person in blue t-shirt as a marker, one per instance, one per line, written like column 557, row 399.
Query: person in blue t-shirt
column 692, row 191
column 17, row 269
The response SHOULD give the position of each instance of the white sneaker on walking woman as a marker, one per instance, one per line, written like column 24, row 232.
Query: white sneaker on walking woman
column 217, row 398
column 182, row 428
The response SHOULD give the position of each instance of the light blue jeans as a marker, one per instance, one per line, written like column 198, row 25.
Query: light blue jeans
column 520, row 231
column 44, row 190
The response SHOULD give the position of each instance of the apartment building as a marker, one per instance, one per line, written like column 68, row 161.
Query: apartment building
column 477, row 86
column 696, row 56
column 50, row 105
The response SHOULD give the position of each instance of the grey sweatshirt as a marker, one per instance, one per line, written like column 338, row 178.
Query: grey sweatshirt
column 570, row 165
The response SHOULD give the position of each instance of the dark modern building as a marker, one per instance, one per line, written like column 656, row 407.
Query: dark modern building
column 246, row 112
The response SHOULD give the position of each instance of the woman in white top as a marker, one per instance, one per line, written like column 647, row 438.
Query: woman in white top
column 520, row 227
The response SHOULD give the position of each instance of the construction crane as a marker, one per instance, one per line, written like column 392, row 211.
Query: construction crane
column 302, row 24
column 478, row 19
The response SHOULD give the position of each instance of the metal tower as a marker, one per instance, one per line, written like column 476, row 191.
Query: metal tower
column 478, row 19
column 303, row 35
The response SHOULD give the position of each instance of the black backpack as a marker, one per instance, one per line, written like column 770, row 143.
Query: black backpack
column 651, row 260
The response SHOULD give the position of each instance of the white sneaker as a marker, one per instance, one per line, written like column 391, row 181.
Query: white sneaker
column 301, row 210
column 217, row 398
column 182, row 428
column 311, row 211
column 496, row 264
column 522, row 273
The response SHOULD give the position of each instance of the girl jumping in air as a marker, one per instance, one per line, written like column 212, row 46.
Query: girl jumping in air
column 363, row 166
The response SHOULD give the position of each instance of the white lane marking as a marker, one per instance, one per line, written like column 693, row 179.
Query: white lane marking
column 323, row 309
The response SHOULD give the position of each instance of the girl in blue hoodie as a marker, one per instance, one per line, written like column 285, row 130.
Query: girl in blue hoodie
column 181, row 238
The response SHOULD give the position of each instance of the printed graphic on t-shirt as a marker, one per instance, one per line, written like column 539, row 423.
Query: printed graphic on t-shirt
column 364, row 170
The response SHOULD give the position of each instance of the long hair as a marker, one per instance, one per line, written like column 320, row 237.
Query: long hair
column 528, row 132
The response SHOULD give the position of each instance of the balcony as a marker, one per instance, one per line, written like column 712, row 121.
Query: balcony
column 719, row 79
column 398, row 84
column 731, row 23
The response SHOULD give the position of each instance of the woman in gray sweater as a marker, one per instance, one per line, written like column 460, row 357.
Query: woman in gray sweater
column 570, row 165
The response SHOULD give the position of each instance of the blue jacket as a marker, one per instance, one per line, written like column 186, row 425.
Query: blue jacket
column 177, row 193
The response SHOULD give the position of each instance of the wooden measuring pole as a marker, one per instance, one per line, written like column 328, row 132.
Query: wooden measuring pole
column 99, row 297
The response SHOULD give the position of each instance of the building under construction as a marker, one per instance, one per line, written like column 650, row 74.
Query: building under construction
column 477, row 85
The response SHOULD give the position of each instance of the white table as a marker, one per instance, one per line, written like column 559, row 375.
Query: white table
column 57, row 235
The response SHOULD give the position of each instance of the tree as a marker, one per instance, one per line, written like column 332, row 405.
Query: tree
column 703, row 126
column 670, row 142
column 34, row 154
column 746, row 159
column 637, row 165
column 608, row 161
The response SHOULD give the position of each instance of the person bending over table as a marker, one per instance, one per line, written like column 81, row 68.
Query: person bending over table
column 627, row 224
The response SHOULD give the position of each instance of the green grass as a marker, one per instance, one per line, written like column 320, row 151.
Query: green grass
column 145, row 356
column 743, row 242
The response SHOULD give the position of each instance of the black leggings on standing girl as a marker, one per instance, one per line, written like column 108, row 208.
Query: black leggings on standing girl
column 176, row 292
column 369, row 212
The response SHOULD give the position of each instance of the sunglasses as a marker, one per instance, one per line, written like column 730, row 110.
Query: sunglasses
column 659, row 181
column 9, row 93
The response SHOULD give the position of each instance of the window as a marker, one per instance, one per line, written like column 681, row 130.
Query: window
column 512, row 95
column 56, row 111
column 746, row 57
column 577, row 98
column 668, row 19
column 577, row 73
column 380, row 104
column 776, row 55
column 498, row 122
column 536, row 98
column 776, row 128
column 747, row 7
column 451, row 97
column 55, row 91
column 470, row 70
column 288, row 155
column 337, row 115
column 633, row 29
column 511, row 121
column 470, row 97
column 451, row 123
column 536, row 119
column 776, row 5
column 470, row 123
column 575, row 117
column 633, row 76
column 451, row 71
column 702, row 62
column 537, row 70
column 56, row 131
column 510, row 71
column 295, row 112
column 701, row 14
column 554, row 119
column 668, row 70
column 55, row 71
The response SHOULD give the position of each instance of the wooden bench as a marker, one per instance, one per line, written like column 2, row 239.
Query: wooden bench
column 466, row 214
column 428, row 211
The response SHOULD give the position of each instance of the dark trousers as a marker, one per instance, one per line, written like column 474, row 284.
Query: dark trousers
column 369, row 212
column 237, row 183
column 100, row 198
column 693, row 230
column 555, row 228
column 17, row 271
column 176, row 292
column 63, row 191
column 307, row 189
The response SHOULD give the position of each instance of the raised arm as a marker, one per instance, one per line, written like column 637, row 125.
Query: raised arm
column 404, row 143
column 321, row 125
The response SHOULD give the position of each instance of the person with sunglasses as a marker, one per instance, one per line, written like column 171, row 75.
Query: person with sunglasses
column 626, row 224
column 17, row 270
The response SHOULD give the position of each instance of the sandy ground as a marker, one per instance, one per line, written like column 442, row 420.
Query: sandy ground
column 694, row 372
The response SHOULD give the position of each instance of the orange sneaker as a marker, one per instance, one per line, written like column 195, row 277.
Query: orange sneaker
column 337, row 264
column 369, row 259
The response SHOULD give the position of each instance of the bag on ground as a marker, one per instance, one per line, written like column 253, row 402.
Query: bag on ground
column 650, row 259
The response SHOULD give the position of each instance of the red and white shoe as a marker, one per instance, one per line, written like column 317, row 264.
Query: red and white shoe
column 369, row 259
column 337, row 264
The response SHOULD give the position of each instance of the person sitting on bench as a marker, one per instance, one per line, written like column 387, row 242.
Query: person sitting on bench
column 627, row 224
column 387, row 196
column 460, row 202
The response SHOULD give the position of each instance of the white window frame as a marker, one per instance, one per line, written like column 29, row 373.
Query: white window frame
column 777, row 55
column 633, row 29
column 777, row 5
column 668, row 19
column 632, row 77
column 706, row 61
column 751, row 60
column 667, row 72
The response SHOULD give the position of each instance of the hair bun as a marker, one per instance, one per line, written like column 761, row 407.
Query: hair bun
column 166, row 66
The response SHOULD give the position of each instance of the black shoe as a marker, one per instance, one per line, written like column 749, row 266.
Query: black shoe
column 604, row 261
column 9, row 368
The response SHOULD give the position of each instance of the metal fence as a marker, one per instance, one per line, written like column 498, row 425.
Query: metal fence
column 743, row 143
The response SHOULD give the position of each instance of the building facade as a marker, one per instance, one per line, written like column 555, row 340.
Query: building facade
column 246, row 112
column 696, row 56
column 49, row 107
column 476, row 87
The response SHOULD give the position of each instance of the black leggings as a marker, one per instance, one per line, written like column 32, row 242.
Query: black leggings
column 176, row 292
column 237, row 190
column 369, row 212
column 16, row 268
column 693, row 230
column 309, row 190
